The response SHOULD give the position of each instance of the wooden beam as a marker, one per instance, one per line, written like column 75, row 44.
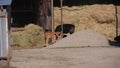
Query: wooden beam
column 52, row 12
column 61, row 6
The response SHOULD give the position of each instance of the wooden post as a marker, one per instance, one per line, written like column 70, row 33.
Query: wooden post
column 116, row 20
column 61, row 5
column 52, row 17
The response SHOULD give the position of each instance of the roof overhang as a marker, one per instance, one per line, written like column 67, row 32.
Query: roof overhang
column 5, row 2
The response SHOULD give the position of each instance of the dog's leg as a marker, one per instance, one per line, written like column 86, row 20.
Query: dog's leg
column 46, row 41
column 54, row 38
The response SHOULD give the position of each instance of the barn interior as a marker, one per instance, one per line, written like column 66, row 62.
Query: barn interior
column 23, row 12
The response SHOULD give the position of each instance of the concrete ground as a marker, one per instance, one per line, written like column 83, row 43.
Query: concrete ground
column 86, row 57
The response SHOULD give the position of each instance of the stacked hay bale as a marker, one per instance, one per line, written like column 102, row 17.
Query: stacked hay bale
column 31, row 36
column 100, row 18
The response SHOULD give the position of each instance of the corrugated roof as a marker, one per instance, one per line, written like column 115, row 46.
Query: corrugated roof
column 5, row 2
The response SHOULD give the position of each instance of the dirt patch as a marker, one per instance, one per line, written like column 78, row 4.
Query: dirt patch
column 67, row 58
column 82, row 38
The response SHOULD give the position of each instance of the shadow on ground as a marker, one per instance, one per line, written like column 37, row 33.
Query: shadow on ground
column 114, row 43
column 3, row 64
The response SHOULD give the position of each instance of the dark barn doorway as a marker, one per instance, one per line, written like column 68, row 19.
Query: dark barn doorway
column 32, row 11
column 22, row 13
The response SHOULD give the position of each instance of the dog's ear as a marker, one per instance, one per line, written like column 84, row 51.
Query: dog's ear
column 56, row 33
column 59, row 33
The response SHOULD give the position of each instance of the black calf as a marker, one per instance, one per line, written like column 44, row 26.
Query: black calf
column 67, row 28
column 117, row 38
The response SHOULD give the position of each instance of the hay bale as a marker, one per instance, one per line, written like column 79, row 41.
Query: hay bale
column 33, row 29
column 21, row 39
column 98, row 17
column 32, row 35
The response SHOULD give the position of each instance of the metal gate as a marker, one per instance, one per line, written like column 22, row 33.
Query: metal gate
column 4, row 35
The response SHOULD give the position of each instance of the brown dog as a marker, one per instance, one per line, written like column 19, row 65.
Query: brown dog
column 53, row 36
